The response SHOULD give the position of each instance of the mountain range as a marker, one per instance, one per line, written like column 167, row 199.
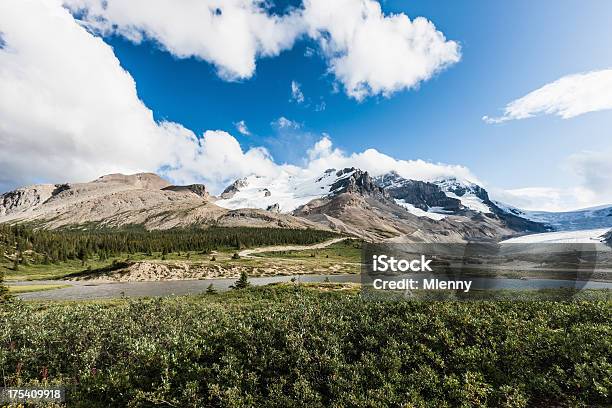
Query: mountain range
column 350, row 201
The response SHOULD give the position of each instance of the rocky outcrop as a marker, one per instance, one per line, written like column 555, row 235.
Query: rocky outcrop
column 274, row 208
column 197, row 189
column 510, row 220
column 25, row 198
column 459, row 188
column 233, row 188
column 421, row 194
column 352, row 180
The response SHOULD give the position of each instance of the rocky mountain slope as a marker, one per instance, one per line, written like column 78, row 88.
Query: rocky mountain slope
column 117, row 200
column 390, row 207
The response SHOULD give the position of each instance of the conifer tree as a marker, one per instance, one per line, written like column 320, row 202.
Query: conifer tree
column 4, row 295
column 242, row 282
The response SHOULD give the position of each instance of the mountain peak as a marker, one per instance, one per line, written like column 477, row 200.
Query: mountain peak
column 422, row 195
column 352, row 180
column 147, row 181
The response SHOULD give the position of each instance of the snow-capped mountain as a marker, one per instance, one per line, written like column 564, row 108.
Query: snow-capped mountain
column 470, row 195
column 118, row 200
column 347, row 200
column 451, row 196
column 420, row 198
column 390, row 200
column 285, row 192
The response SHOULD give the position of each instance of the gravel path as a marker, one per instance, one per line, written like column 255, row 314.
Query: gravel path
column 246, row 253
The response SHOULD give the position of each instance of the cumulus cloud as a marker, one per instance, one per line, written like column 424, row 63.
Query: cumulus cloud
column 323, row 155
column 368, row 52
column 371, row 53
column 567, row 97
column 231, row 34
column 68, row 111
column 296, row 92
column 242, row 128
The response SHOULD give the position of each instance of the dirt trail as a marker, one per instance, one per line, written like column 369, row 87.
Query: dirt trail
column 246, row 253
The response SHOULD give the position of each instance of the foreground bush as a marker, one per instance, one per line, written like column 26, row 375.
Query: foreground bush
column 284, row 347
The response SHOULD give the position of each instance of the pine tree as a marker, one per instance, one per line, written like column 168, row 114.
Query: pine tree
column 242, row 282
column 4, row 293
column 82, row 255
column 16, row 261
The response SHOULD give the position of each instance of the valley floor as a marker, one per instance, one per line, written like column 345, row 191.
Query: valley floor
column 332, row 257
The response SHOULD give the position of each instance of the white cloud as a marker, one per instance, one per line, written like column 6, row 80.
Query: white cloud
column 284, row 123
column 593, row 170
column 69, row 112
column 546, row 198
column 371, row 53
column 218, row 159
column 241, row 127
column 368, row 52
column 231, row 34
column 296, row 92
column 309, row 52
column 323, row 156
column 567, row 97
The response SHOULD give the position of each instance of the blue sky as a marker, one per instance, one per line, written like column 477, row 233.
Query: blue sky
column 89, row 87
column 508, row 50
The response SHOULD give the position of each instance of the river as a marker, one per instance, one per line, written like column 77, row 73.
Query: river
column 83, row 290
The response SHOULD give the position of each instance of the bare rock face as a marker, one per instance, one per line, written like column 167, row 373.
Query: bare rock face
column 421, row 194
column 232, row 189
column 452, row 185
column 25, row 198
column 197, row 189
column 352, row 180
column 274, row 208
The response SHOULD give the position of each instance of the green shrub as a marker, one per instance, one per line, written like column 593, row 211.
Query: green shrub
column 293, row 347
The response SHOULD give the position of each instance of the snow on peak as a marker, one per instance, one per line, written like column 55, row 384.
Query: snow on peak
column 470, row 194
column 286, row 191
column 434, row 213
